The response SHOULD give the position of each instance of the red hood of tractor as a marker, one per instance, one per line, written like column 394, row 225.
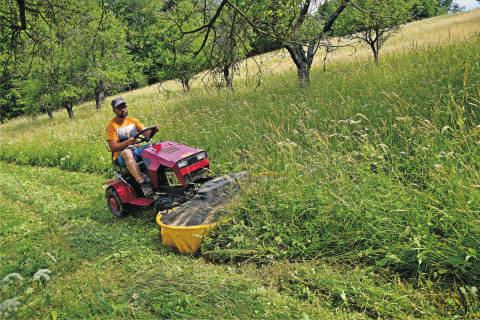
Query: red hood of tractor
column 168, row 153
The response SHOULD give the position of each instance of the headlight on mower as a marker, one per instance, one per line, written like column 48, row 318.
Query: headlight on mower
column 201, row 156
column 182, row 163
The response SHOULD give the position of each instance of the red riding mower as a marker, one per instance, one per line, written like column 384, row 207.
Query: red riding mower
column 178, row 173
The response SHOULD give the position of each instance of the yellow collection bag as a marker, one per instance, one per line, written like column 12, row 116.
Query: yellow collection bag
column 186, row 239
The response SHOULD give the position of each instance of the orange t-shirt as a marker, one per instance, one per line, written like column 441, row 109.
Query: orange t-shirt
column 121, row 132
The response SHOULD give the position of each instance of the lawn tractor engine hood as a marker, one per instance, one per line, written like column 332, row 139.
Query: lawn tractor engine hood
column 181, row 159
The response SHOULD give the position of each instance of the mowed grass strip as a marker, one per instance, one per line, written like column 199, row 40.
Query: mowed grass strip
column 100, row 267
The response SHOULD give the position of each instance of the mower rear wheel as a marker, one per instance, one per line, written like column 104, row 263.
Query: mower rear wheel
column 114, row 204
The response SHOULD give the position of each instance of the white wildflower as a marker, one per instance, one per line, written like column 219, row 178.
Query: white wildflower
column 384, row 147
column 446, row 128
column 9, row 306
column 42, row 274
column 361, row 115
column 12, row 276
column 51, row 257
column 349, row 121
column 287, row 143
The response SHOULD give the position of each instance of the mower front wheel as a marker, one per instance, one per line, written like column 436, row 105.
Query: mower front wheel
column 114, row 204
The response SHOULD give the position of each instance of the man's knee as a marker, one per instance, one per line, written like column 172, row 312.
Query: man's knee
column 127, row 154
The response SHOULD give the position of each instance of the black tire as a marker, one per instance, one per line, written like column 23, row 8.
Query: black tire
column 114, row 204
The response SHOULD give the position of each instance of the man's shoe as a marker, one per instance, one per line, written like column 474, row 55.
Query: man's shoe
column 146, row 189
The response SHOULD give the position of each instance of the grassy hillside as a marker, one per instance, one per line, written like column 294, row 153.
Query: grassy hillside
column 104, row 268
column 363, row 202
column 64, row 257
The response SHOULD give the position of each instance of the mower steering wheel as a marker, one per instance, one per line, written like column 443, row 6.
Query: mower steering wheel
column 140, row 137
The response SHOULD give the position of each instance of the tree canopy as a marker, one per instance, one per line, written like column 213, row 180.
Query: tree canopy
column 57, row 53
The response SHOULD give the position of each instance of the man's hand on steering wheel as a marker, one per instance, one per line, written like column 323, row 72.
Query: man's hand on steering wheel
column 146, row 134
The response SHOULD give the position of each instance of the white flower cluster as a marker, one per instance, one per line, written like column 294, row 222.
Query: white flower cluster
column 12, row 277
column 42, row 275
column 8, row 307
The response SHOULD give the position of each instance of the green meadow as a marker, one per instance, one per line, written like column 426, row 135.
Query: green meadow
column 363, row 200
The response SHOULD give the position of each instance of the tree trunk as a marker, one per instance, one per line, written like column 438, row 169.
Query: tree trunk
column 69, row 107
column 185, row 85
column 372, row 37
column 374, row 47
column 303, row 61
column 49, row 112
column 228, row 77
column 99, row 95
column 303, row 75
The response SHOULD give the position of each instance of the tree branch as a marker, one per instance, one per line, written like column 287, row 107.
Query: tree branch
column 23, row 19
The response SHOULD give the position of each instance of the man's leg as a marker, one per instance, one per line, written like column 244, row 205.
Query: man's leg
column 134, row 170
column 132, row 165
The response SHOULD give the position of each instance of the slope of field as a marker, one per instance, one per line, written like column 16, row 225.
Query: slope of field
column 368, row 180
column 99, row 267
column 65, row 257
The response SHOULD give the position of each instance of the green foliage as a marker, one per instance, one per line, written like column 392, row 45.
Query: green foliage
column 109, row 64
column 139, row 19
column 10, row 96
column 373, row 21
column 172, row 51
column 422, row 9
column 68, row 57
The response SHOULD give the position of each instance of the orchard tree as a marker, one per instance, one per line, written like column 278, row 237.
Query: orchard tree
column 108, row 62
column 143, row 21
column 174, row 52
column 290, row 22
column 10, row 95
column 421, row 9
column 373, row 22
column 229, row 46
column 58, row 71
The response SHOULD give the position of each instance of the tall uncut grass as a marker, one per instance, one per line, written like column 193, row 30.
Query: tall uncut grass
column 371, row 165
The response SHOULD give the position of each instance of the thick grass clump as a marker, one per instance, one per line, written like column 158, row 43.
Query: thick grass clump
column 377, row 165
column 372, row 165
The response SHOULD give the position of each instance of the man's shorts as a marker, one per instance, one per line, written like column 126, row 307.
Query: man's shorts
column 136, row 153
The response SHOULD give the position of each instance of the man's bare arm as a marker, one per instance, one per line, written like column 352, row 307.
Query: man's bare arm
column 119, row 146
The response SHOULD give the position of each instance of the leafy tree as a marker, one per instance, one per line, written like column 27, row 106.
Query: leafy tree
column 109, row 63
column 141, row 18
column 78, row 57
column 290, row 22
column 230, row 45
column 10, row 96
column 422, row 9
column 373, row 21
column 173, row 52
column 9, row 93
